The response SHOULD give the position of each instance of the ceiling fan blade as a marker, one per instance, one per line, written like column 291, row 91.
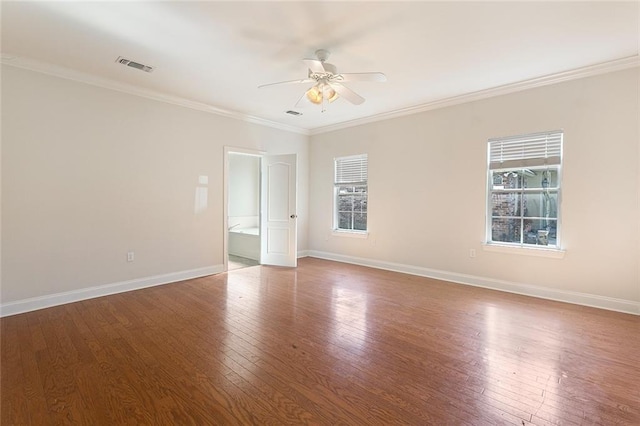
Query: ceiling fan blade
column 347, row 93
column 364, row 76
column 314, row 65
column 304, row 80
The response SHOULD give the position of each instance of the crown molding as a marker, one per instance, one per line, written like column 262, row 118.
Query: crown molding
column 588, row 71
column 81, row 77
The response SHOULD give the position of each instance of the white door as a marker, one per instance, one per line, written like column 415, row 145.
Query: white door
column 278, row 217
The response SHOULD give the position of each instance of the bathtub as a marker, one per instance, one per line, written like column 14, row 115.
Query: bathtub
column 245, row 242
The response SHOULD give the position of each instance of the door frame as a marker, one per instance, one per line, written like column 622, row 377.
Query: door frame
column 225, row 198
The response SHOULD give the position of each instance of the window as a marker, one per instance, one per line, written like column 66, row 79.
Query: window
column 350, row 187
column 524, row 190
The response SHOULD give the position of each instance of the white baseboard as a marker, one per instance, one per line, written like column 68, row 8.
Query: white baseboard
column 585, row 299
column 41, row 302
column 602, row 302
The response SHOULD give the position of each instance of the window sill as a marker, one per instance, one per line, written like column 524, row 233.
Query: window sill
column 351, row 234
column 525, row 251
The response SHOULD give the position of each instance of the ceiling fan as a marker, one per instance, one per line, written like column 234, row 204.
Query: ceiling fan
column 327, row 82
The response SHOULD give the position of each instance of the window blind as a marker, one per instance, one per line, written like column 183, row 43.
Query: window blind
column 351, row 170
column 539, row 149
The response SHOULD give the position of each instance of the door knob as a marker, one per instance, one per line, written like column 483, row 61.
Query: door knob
column 293, row 216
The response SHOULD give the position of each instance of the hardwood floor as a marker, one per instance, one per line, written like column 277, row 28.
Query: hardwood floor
column 326, row 343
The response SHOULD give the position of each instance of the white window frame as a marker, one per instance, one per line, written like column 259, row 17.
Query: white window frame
column 350, row 171
column 537, row 151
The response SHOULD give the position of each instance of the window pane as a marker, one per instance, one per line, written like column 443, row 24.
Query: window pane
column 360, row 222
column 344, row 220
column 345, row 203
column 541, row 178
column 359, row 203
column 552, row 227
column 533, row 228
column 506, row 230
column 505, row 204
column 541, row 204
column 507, row 179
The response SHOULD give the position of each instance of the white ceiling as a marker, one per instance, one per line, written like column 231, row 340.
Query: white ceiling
column 217, row 53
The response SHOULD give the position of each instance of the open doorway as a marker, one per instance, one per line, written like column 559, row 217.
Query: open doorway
column 243, row 210
column 260, row 219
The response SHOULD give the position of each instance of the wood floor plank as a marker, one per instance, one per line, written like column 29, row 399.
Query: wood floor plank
column 32, row 385
column 14, row 408
column 325, row 343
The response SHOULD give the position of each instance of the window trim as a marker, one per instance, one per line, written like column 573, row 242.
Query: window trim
column 349, row 233
column 555, row 161
column 537, row 251
column 337, row 182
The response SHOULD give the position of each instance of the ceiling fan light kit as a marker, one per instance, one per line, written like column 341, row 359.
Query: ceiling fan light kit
column 328, row 82
column 320, row 92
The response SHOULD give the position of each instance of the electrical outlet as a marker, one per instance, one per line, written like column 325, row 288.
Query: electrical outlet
column 472, row 253
column 130, row 256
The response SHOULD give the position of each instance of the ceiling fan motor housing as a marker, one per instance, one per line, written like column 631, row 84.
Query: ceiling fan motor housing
column 322, row 54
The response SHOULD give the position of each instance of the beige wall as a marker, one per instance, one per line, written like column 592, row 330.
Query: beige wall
column 89, row 174
column 427, row 175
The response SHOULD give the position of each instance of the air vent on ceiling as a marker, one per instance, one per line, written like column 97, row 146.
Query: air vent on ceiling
column 291, row 112
column 132, row 64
